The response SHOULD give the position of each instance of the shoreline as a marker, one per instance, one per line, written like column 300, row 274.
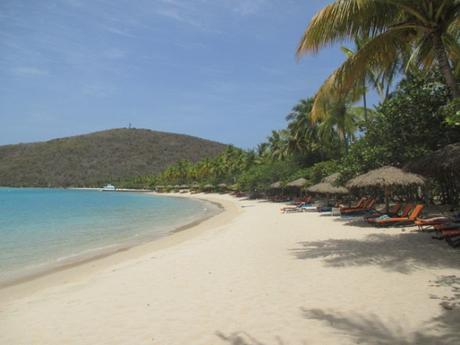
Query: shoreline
column 25, row 284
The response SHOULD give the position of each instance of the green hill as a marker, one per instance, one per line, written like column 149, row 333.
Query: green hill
column 96, row 158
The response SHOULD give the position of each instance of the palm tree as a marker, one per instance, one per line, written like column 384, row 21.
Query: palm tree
column 278, row 144
column 427, row 28
column 302, row 130
column 380, row 80
column 339, row 119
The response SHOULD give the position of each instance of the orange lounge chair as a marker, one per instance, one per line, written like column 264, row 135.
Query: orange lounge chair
column 369, row 204
column 431, row 222
column 401, row 220
column 392, row 212
column 360, row 204
column 450, row 233
column 446, row 226
column 404, row 214
column 452, row 236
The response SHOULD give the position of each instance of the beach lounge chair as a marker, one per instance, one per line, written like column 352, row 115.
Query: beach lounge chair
column 451, row 235
column 368, row 206
column 393, row 212
column 395, row 221
column 359, row 204
column 298, row 208
column 404, row 214
column 425, row 223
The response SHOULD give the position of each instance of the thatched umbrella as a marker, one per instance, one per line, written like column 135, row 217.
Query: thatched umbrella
column 195, row 186
column 184, row 186
column 276, row 185
column 222, row 185
column 386, row 177
column 438, row 162
column 332, row 179
column 208, row 187
column 234, row 187
column 327, row 188
column 299, row 183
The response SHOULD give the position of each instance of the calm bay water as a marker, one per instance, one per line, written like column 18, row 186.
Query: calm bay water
column 42, row 229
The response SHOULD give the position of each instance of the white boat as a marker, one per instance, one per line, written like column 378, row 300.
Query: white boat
column 109, row 188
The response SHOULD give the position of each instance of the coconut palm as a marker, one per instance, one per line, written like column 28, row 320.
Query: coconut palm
column 302, row 130
column 339, row 119
column 278, row 144
column 427, row 28
column 378, row 79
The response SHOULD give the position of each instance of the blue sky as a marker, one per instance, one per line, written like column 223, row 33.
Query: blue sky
column 219, row 69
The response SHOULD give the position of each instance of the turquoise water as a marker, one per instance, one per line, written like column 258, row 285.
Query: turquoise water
column 42, row 229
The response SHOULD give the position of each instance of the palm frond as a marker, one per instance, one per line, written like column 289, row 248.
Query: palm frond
column 379, row 53
column 345, row 19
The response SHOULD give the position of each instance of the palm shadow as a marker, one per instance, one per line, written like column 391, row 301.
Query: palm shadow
column 243, row 338
column 403, row 253
column 370, row 329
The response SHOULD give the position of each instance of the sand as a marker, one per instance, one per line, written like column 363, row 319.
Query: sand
column 249, row 276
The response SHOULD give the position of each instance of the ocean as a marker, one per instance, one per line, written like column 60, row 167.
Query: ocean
column 43, row 229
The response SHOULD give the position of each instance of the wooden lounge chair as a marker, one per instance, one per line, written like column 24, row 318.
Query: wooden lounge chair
column 452, row 236
column 404, row 214
column 401, row 220
column 393, row 212
column 369, row 204
column 359, row 204
column 425, row 223
column 450, row 233
column 296, row 208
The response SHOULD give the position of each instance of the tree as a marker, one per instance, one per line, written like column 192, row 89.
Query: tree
column 429, row 29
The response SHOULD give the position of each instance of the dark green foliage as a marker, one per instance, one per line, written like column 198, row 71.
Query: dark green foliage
column 410, row 123
column 321, row 170
column 97, row 158
column 260, row 176
column 406, row 126
column 451, row 113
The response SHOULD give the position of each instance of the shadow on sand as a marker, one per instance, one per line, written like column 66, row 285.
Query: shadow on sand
column 371, row 330
column 242, row 338
column 401, row 253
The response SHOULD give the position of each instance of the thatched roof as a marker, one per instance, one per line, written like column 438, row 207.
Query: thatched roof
column 222, row 185
column 195, row 185
column 297, row 183
column 276, row 185
column 332, row 179
column 184, row 186
column 385, row 177
column 234, row 187
column 327, row 188
column 208, row 186
column 438, row 162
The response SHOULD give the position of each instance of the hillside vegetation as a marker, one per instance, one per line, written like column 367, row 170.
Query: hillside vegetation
column 97, row 158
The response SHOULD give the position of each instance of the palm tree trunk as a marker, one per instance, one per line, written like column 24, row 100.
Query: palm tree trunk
column 365, row 100
column 444, row 64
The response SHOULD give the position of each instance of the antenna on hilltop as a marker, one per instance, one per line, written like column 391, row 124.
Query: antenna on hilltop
column 129, row 126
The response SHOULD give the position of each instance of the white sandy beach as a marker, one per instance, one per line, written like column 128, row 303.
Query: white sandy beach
column 249, row 276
